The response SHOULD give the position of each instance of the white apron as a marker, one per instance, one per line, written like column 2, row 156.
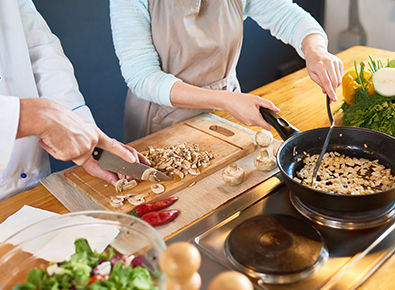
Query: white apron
column 198, row 41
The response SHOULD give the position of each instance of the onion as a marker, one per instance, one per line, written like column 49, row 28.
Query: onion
column 384, row 81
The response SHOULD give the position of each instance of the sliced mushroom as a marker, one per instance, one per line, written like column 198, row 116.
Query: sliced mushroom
column 157, row 188
column 134, row 201
column 130, row 184
column 141, row 196
column 178, row 172
column 150, row 175
column 265, row 162
column 116, row 202
column 233, row 174
column 116, row 205
column 194, row 170
column 119, row 185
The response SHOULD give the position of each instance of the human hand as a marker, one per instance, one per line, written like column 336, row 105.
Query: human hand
column 323, row 67
column 67, row 135
column 93, row 168
column 245, row 108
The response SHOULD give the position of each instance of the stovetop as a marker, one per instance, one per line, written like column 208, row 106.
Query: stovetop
column 353, row 254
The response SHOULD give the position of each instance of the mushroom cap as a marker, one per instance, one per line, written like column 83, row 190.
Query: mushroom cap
column 233, row 174
column 263, row 138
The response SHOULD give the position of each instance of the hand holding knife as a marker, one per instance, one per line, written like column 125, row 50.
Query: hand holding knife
column 113, row 163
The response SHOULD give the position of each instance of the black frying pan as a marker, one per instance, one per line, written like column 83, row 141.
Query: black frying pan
column 353, row 142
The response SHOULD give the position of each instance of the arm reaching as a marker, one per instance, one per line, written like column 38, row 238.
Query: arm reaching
column 244, row 107
column 67, row 135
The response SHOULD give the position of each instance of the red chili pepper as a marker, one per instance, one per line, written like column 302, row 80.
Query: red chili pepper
column 142, row 209
column 158, row 218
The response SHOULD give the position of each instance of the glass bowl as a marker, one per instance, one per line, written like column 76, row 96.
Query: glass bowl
column 52, row 240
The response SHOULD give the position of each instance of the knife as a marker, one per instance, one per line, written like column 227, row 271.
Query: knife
column 114, row 163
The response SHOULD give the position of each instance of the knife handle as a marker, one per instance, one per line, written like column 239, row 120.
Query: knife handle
column 97, row 153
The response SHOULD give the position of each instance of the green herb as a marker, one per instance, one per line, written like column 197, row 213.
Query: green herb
column 370, row 111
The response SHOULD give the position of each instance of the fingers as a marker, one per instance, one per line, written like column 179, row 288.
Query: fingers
column 268, row 104
column 326, row 70
column 143, row 159
column 93, row 168
column 125, row 152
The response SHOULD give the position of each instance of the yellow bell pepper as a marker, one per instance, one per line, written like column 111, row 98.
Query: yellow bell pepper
column 350, row 83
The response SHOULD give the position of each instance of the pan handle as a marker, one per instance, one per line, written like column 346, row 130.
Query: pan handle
column 283, row 128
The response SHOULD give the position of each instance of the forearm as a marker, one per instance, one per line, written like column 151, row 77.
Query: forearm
column 313, row 43
column 244, row 107
column 183, row 95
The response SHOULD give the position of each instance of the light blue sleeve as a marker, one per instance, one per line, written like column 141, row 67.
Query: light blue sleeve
column 139, row 61
column 285, row 20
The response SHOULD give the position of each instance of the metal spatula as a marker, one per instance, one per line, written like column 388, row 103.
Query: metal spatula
column 328, row 137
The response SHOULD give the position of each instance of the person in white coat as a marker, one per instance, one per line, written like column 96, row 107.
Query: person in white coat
column 41, row 107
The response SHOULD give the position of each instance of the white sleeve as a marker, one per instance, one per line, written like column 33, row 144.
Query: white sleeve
column 9, row 118
column 52, row 70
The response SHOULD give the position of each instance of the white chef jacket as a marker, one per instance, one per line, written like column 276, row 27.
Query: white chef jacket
column 32, row 64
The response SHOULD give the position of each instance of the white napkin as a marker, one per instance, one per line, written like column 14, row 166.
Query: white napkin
column 24, row 217
column 58, row 245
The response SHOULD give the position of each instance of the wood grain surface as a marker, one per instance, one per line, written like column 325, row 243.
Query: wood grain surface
column 301, row 102
column 228, row 143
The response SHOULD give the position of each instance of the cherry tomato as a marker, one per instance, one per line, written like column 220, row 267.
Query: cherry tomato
column 97, row 277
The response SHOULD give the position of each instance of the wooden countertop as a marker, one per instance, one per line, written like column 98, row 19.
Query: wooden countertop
column 302, row 104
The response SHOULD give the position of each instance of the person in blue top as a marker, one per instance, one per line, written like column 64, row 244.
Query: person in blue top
column 178, row 58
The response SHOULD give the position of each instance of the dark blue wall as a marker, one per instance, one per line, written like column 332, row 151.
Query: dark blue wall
column 83, row 27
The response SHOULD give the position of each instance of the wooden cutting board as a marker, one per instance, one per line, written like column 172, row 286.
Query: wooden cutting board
column 227, row 142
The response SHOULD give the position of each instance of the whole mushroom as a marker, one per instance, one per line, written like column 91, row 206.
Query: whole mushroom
column 277, row 146
column 264, row 162
column 263, row 138
column 233, row 174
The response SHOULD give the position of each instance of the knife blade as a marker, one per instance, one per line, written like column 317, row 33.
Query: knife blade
column 114, row 163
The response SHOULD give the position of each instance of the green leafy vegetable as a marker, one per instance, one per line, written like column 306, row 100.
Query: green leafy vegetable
column 77, row 273
column 370, row 111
